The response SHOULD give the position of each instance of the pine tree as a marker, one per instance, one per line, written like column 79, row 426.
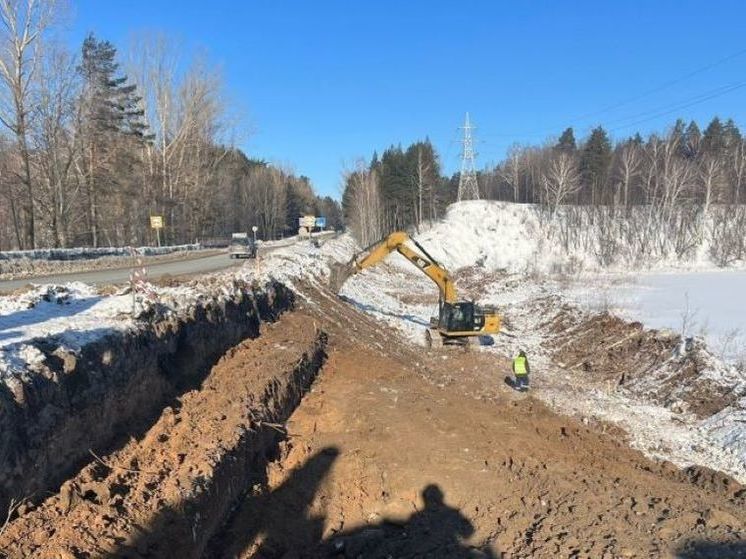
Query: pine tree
column 731, row 134
column 713, row 140
column 594, row 163
column 112, row 120
column 691, row 142
column 566, row 142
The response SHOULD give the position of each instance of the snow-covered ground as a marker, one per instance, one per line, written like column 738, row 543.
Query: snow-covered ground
column 708, row 304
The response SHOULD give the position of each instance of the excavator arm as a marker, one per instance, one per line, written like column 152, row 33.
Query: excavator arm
column 397, row 242
column 457, row 321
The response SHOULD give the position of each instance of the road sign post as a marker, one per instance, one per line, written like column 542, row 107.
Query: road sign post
column 156, row 222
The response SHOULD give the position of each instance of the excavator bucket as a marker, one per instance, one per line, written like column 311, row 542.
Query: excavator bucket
column 338, row 274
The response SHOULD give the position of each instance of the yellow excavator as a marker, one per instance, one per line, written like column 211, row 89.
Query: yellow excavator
column 458, row 322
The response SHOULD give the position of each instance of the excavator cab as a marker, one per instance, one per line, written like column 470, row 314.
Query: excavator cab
column 457, row 317
column 460, row 320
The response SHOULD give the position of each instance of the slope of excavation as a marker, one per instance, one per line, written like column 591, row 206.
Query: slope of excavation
column 387, row 457
column 164, row 495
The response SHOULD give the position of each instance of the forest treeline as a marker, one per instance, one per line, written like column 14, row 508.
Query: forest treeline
column 95, row 141
column 667, row 194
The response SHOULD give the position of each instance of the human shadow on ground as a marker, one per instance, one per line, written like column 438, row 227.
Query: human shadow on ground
column 438, row 530
column 289, row 521
column 701, row 549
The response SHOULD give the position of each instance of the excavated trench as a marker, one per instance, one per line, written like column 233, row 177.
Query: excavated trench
column 115, row 388
column 167, row 493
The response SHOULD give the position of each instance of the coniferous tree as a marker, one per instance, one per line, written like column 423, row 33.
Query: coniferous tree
column 594, row 163
column 112, row 125
column 713, row 139
column 691, row 141
column 566, row 142
column 731, row 134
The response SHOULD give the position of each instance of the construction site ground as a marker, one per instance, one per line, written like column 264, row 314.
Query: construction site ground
column 392, row 452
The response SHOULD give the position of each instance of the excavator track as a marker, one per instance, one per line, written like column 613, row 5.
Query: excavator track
column 433, row 338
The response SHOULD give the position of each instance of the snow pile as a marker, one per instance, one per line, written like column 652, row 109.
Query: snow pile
column 300, row 261
column 524, row 238
column 88, row 253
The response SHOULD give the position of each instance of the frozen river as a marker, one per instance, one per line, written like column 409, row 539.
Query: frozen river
column 709, row 304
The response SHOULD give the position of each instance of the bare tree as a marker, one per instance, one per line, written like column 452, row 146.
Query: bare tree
column 365, row 216
column 22, row 22
column 560, row 180
column 422, row 172
column 56, row 144
column 510, row 171
column 630, row 162
column 711, row 180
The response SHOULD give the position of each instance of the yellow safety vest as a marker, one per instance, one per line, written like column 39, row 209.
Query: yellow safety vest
column 519, row 366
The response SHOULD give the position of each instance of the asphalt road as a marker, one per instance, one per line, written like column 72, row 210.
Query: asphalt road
column 188, row 266
column 202, row 265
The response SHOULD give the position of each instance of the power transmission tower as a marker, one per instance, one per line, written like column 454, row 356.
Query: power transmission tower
column 468, row 189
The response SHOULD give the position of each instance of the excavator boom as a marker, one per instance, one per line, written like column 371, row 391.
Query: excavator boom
column 397, row 242
column 457, row 320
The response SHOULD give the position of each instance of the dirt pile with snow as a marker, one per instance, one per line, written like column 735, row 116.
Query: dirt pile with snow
column 180, row 479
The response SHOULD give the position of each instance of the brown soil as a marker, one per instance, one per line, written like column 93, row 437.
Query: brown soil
column 162, row 495
column 638, row 360
column 382, row 462
column 393, row 453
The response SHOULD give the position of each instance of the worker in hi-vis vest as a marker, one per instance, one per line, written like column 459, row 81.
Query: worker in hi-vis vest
column 521, row 371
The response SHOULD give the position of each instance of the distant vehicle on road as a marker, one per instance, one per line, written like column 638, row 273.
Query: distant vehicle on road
column 242, row 246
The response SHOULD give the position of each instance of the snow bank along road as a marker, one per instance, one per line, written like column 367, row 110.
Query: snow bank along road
column 191, row 264
column 121, row 275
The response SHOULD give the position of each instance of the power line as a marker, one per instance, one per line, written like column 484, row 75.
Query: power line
column 664, row 85
column 684, row 106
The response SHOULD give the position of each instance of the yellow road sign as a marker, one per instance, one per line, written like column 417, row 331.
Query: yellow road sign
column 156, row 222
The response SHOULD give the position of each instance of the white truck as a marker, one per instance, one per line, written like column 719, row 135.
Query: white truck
column 242, row 246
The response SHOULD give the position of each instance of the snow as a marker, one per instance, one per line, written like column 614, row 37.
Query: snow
column 522, row 238
column 87, row 253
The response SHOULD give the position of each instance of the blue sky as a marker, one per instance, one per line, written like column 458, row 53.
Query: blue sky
column 322, row 83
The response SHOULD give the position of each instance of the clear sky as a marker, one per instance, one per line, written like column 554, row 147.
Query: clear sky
column 322, row 83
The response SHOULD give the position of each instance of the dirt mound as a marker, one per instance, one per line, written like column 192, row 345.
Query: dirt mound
column 647, row 363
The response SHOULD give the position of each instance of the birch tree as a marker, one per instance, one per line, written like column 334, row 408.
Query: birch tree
column 560, row 180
